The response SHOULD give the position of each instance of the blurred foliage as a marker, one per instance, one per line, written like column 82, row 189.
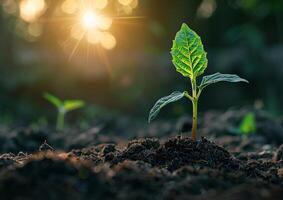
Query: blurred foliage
column 248, row 124
column 37, row 54
column 63, row 107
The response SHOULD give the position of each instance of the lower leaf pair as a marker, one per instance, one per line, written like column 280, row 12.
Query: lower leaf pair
column 176, row 95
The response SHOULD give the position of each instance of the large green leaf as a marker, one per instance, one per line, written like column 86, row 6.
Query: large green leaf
column 188, row 53
column 218, row 77
column 175, row 96
column 73, row 104
column 53, row 99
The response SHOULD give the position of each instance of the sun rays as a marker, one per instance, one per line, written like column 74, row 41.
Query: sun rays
column 87, row 24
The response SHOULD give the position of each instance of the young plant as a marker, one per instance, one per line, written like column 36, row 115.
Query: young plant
column 248, row 124
column 63, row 107
column 189, row 59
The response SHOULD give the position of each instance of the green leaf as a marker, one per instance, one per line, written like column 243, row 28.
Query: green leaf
column 248, row 124
column 175, row 96
column 218, row 77
column 188, row 53
column 70, row 105
column 53, row 99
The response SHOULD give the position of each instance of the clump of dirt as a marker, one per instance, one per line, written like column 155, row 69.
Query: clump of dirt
column 139, row 180
column 278, row 155
column 7, row 160
column 142, row 149
column 51, row 176
column 147, row 169
column 172, row 154
column 178, row 152
column 243, row 192
column 101, row 162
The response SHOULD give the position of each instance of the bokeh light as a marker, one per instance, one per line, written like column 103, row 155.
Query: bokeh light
column 31, row 10
column 128, row 5
column 70, row 6
column 88, row 18
column 100, row 4
column 94, row 36
column 206, row 8
column 35, row 29
column 10, row 6
column 125, row 2
column 108, row 41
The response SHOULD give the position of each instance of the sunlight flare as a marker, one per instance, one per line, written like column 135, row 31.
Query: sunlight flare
column 90, row 20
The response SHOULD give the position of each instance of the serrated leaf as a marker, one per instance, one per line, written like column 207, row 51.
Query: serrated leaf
column 175, row 96
column 188, row 53
column 53, row 99
column 218, row 77
column 70, row 105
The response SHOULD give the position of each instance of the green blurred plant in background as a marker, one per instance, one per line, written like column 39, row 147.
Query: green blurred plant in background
column 248, row 125
column 63, row 107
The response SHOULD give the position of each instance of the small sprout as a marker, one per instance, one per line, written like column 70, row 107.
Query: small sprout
column 189, row 59
column 248, row 124
column 63, row 107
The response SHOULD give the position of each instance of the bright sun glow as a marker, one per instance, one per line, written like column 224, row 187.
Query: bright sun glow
column 90, row 20
column 92, row 25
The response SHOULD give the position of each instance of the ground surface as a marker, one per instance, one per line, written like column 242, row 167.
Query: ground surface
column 103, row 163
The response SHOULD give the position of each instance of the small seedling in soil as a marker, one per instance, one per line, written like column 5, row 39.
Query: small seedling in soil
column 189, row 59
column 248, row 125
column 63, row 107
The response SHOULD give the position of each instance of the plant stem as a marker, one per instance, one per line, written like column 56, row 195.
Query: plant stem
column 195, row 108
column 195, row 119
column 60, row 120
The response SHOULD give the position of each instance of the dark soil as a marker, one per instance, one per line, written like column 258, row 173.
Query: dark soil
column 147, row 168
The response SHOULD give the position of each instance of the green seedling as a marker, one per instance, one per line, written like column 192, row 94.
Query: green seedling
column 189, row 59
column 248, row 125
column 63, row 107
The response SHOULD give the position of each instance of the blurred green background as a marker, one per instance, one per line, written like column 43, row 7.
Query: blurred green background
column 38, row 55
